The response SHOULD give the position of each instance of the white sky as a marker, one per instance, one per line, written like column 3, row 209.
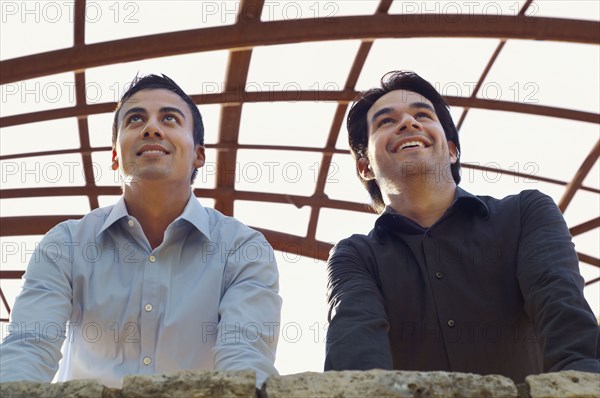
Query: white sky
column 546, row 73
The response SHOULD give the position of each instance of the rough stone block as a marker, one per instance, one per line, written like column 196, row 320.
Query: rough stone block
column 566, row 384
column 191, row 384
column 70, row 389
column 388, row 384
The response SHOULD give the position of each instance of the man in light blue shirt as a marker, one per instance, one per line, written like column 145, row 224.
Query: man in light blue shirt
column 155, row 283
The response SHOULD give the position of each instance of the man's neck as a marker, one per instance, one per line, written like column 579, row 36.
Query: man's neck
column 423, row 203
column 155, row 205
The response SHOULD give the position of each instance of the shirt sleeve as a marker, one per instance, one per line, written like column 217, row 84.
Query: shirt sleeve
column 357, row 337
column 249, row 311
column 31, row 350
column 552, row 287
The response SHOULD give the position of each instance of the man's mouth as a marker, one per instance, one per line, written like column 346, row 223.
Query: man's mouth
column 407, row 144
column 152, row 150
column 411, row 144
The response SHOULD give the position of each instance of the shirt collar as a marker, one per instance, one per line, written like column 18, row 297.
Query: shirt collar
column 468, row 201
column 118, row 211
column 193, row 212
column 463, row 201
column 196, row 214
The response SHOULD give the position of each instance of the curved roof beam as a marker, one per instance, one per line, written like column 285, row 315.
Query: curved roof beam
column 280, row 241
column 315, row 201
column 248, row 34
column 345, row 96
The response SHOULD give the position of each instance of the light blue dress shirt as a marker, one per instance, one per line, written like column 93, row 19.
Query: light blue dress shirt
column 206, row 298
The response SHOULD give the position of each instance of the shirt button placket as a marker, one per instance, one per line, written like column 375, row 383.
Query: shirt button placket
column 147, row 319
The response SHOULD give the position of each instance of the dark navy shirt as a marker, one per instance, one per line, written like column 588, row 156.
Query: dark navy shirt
column 493, row 287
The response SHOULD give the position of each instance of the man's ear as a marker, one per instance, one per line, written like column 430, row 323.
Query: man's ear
column 453, row 152
column 364, row 169
column 200, row 157
column 115, row 161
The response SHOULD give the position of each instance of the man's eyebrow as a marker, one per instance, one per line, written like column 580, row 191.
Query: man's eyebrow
column 380, row 112
column 421, row 105
column 413, row 105
column 164, row 109
column 169, row 109
column 136, row 109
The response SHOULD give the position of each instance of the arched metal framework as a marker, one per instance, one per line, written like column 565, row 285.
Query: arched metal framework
column 240, row 39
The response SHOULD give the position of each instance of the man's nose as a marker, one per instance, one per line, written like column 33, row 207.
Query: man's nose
column 152, row 129
column 409, row 123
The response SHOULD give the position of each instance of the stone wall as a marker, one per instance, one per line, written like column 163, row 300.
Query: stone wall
column 374, row 383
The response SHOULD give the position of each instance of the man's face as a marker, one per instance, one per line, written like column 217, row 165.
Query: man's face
column 406, row 139
column 155, row 138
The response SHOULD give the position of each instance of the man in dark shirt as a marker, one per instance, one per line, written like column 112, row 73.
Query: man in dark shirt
column 447, row 280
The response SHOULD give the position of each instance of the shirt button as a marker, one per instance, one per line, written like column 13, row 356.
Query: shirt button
column 147, row 361
column 451, row 323
column 148, row 307
column 131, row 223
column 152, row 259
column 439, row 275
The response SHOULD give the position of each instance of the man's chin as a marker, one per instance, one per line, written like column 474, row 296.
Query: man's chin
column 147, row 175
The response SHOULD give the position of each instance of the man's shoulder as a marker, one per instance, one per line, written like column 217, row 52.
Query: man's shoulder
column 358, row 239
column 219, row 220
column 359, row 243
column 510, row 201
column 223, row 227
column 88, row 224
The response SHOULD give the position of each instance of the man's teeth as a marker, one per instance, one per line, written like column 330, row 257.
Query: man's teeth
column 153, row 151
column 411, row 144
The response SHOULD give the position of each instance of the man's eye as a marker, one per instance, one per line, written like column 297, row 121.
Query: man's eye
column 386, row 120
column 170, row 118
column 423, row 114
column 134, row 119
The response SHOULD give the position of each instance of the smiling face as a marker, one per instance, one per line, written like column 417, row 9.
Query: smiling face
column 406, row 139
column 155, row 138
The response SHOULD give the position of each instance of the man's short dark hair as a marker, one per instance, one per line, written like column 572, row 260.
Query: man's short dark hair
column 153, row 82
column 358, row 129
